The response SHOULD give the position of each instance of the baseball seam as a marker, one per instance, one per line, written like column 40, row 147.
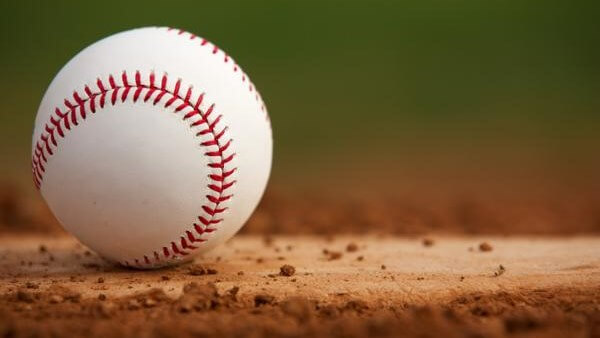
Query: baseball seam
column 214, row 49
column 86, row 102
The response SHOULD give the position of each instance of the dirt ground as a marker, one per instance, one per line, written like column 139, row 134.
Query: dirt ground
column 421, row 210
column 347, row 286
column 380, row 266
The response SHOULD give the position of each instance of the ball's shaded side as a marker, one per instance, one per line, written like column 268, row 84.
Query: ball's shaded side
column 151, row 146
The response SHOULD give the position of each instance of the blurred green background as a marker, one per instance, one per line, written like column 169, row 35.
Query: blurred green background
column 417, row 85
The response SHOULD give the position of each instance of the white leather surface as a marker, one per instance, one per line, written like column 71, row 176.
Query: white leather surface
column 132, row 177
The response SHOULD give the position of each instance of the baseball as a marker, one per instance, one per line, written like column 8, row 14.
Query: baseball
column 151, row 146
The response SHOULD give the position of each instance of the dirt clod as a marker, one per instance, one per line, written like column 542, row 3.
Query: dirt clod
column 428, row 242
column 287, row 270
column 196, row 270
column 485, row 247
column 199, row 270
column 332, row 255
column 268, row 241
column 501, row 270
column 352, row 247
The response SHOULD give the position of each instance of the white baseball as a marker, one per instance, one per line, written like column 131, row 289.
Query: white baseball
column 152, row 146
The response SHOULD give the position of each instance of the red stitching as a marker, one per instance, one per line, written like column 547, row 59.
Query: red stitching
column 74, row 111
column 214, row 49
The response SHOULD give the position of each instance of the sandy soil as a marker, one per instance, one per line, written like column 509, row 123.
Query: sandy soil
column 309, row 286
column 421, row 210
column 425, row 261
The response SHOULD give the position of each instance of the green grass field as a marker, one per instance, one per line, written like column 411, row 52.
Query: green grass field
column 409, row 81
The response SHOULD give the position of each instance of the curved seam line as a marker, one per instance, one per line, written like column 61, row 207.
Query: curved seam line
column 226, row 58
column 69, row 119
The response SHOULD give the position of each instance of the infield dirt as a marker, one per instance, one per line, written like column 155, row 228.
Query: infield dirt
column 353, row 277
column 290, row 286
